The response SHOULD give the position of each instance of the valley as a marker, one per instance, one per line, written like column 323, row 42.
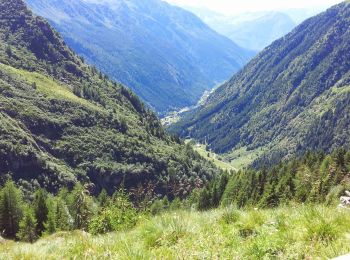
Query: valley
column 146, row 47
column 106, row 152
column 274, row 103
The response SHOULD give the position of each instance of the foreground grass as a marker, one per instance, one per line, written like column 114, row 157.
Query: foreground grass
column 298, row 232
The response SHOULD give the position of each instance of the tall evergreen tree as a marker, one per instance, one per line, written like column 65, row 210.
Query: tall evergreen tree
column 27, row 227
column 63, row 218
column 40, row 210
column 50, row 224
column 103, row 198
column 82, row 207
column 11, row 210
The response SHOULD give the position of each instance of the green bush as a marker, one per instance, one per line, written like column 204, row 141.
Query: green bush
column 230, row 215
column 119, row 215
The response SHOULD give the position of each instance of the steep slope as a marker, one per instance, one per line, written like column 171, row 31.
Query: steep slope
column 254, row 31
column 164, row 53
column 292, row 97
column 61, row 121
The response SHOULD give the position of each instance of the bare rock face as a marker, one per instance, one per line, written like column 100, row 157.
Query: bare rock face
column 345, row 200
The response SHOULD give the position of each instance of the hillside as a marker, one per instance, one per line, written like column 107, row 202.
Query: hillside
column 62, row 121
column 254, row 31
column 294, row 96
column 165, row 54
column 298, row 232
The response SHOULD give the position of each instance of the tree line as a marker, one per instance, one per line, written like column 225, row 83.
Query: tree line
column 27, row 219
column 313, row 178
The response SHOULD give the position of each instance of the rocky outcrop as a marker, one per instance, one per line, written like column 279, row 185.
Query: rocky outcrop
column 345, row 200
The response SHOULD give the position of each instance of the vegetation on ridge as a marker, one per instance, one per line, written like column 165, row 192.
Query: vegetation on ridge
column 62, row 121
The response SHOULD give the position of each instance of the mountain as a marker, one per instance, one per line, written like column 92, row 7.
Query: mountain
column 253, row 31
column 62, row 121
column 294, row 96
column 299, row 15
column 165, row 54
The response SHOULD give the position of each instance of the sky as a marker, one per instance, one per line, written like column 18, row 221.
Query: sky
column 241, row 6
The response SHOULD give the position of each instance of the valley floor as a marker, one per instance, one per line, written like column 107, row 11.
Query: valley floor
column 293, row 232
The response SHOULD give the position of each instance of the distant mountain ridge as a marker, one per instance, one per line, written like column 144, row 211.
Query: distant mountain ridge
column 253, row 31
column 294, row 96
column 165, row 54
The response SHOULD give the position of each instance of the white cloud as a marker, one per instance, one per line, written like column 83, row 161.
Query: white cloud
column 240, row 6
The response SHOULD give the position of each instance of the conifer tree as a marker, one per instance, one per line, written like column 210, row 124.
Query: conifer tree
column 40, row 210
column 50, row 224
column 82, row 207
column 27, row 227
column 63, row 219
column 103, row 198
column 11, row 210
column 204, row 200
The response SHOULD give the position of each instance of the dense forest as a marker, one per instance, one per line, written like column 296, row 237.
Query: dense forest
column 62, row 121
column 292, row 97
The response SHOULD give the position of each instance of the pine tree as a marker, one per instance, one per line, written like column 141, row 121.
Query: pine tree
column 63, row 219
column 9, row 51
column 40, row 210
column 50, row 224
column 11, row 210
column 27, row 227
column 204, row 200
column 103, row 198
column 82, row 207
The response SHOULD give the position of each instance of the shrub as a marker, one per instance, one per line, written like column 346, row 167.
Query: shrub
column 120, row 215
column 230, row 216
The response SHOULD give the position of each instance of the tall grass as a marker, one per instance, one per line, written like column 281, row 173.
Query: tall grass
column 290, row 232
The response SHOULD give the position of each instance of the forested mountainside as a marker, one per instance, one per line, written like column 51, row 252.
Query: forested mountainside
column 254, row 31
column 62, row 121
column 166, row 55
column 312, row 178
column 294, row 96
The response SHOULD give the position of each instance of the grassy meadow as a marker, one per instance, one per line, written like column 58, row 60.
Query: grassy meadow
column 293, row 232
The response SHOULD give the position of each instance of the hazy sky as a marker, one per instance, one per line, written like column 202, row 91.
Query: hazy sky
column 240, row 6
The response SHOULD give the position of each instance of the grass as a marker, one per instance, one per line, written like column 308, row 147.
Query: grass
column 295, row 232
column 49, row 86
column 344, row 89
column 232, row 161
column 216, row 159
column 242, row 158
